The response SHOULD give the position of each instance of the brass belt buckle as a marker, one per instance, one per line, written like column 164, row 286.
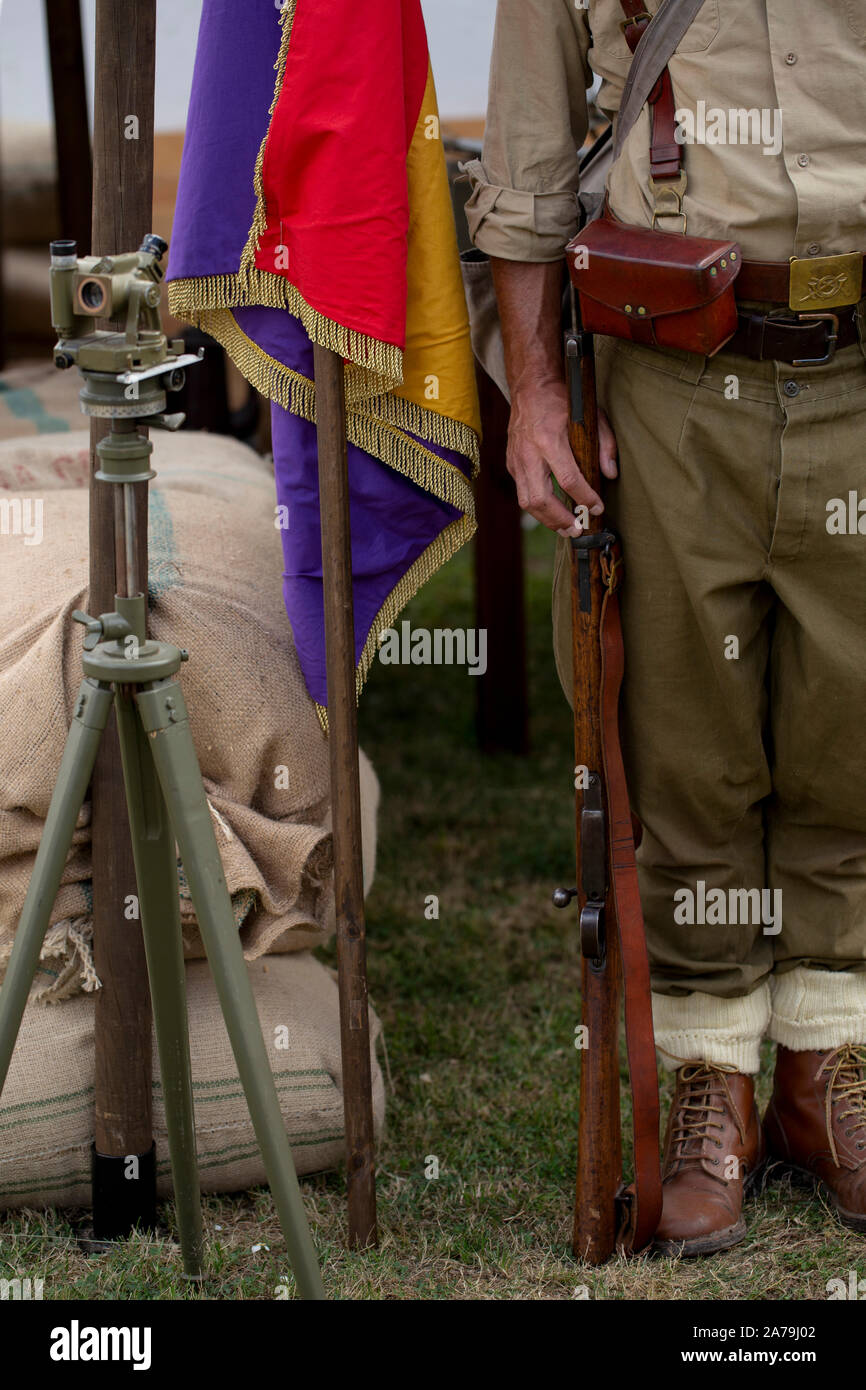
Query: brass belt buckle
column 818, row 284
column 825, row 282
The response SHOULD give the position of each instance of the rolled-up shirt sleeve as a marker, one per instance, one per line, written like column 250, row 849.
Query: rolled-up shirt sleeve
column 523, row 205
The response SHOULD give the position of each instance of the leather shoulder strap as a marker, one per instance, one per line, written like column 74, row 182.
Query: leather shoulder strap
column 657, row 46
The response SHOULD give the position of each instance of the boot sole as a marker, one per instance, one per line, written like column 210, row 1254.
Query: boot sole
column 702, row 1245
column 716, row 1240
column 854, row 1220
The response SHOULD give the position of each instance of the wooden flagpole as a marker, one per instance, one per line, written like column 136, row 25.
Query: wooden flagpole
column 345, row 795
column 122, row 211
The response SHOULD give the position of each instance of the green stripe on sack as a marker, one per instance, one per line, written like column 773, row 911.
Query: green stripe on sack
column 281, row 1091
column 43, row 1119
column 49, row 1100
column 222, row 1089
column 24, row 404
column 220, row 1158
column 163, row 569
column 233, row 1080
column 57, row 1185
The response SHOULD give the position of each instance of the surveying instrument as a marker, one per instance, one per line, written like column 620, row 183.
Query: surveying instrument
column 126, row 376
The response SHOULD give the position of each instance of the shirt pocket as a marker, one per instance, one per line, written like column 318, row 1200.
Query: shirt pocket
column 608, row 38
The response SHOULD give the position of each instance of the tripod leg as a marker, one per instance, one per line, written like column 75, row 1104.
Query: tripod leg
column 164, row 717
column 156, row 874
column 92, row 708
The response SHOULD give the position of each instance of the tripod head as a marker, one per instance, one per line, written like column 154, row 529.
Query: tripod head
column 126, row 372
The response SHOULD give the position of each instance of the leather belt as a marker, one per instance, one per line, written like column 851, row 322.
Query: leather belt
column 770, row 280
column 815, row 308
column 780, row 336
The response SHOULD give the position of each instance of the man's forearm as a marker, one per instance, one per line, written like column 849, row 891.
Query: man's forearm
column 530, row 308
column 530, row 311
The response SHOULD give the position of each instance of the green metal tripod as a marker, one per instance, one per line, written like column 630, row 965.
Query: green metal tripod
column 167, row 805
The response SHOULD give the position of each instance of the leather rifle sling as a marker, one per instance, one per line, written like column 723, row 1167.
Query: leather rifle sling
column 641, row 1203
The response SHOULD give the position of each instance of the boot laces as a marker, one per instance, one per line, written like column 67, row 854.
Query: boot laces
column 846, row 1070
column 702, row 1084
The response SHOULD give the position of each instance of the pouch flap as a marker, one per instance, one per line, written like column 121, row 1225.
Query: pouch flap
column 653, row 272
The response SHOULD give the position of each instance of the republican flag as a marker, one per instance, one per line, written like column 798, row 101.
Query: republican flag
column 313, row 206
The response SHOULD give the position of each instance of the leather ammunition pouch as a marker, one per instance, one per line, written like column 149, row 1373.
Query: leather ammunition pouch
column 656, row 288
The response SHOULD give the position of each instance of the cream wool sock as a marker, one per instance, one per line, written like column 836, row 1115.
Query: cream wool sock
column 703, row 1028
column 818, row 1010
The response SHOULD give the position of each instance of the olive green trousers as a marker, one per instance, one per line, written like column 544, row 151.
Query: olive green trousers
column 741, row 504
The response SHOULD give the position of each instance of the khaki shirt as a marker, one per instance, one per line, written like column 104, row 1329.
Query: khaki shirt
column 806, row 58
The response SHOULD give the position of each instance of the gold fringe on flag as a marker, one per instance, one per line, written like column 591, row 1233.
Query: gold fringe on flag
column 446, row 544
column 386, row 439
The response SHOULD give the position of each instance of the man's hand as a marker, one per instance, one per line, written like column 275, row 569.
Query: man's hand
column 539, row 451
column 529, row 297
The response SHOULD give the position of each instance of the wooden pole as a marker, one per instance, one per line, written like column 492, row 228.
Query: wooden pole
column 122, row 210
column 71, row 130
column 502, row 708
column 345, row 795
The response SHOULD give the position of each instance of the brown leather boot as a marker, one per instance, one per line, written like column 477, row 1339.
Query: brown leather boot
column 714, row 1150
column 816, row 1124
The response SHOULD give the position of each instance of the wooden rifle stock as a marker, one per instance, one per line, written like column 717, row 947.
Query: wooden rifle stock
column 608, row 1214
column 599, row 1172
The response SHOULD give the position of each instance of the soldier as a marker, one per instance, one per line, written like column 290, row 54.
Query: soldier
column 740, row 495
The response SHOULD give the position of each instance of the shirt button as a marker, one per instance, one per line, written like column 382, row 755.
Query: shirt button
column 791, row 388
column 803, row 161
column 813, row 249
column 790, row 59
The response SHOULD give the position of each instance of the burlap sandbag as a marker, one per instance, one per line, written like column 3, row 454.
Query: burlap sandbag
column 215, row 564
column 46, row 1116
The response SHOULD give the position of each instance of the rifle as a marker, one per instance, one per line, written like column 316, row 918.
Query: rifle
column 609, row 1214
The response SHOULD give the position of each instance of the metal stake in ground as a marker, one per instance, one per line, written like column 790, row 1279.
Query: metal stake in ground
column 345, row 794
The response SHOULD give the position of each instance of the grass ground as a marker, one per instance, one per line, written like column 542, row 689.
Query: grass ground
column 479, row 1009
